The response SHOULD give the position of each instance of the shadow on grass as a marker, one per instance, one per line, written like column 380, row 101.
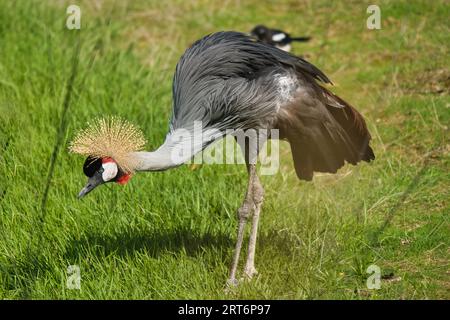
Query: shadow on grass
column 374, row 237
column 154, row 243
column 19, row 274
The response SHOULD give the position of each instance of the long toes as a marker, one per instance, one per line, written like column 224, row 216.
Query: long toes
column 250, row 273
column 232, row 283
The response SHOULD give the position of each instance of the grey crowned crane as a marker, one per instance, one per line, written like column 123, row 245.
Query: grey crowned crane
column 224, row 81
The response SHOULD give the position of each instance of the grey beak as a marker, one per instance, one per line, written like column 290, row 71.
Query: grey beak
column 92, row 183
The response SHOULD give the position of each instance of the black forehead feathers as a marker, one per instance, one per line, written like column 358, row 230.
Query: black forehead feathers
column 91, row 165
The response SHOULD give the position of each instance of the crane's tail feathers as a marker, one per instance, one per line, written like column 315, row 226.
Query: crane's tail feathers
column 324, row 136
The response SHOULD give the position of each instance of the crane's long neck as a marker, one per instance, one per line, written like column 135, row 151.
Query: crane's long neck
column 157, row 160
column 179, row 147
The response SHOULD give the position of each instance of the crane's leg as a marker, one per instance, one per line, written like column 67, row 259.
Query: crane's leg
column 243, row 214
column 253, row 201
column 258, row 198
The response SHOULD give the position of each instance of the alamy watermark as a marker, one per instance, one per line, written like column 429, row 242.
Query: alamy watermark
column 73, row 281
column 374, row 20
column 374, row 280
column 74, row 17
column 257, row 145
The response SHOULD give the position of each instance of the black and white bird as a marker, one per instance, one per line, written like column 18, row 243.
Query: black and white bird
column 228, row 81
column 277, row 38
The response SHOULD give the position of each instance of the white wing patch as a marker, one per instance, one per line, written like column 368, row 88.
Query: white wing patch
column 278, row 37
column 109, row 171
column 286, row 86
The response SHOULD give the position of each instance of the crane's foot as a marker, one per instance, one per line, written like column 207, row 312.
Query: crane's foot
column 232, row 283
column 250, row 272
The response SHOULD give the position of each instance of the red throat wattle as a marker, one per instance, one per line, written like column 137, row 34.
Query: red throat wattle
column 124, row 179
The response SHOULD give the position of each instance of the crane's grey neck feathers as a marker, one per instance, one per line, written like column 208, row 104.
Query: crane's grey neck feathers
column 157, row 160
column 179, row 147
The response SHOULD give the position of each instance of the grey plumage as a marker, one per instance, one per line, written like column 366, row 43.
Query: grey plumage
column 228, row 80
column 226, row 77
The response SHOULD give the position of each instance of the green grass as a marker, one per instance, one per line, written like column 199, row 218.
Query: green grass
column 171, row 235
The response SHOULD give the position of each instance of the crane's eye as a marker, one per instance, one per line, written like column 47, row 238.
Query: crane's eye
column 91, row 166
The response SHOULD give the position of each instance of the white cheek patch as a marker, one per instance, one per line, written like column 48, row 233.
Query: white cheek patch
column 109, row 171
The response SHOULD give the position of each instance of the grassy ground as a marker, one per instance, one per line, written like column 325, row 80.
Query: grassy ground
column 171, row 235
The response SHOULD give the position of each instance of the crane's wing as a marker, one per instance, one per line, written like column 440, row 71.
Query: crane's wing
column 224, row 63
column 228, row 80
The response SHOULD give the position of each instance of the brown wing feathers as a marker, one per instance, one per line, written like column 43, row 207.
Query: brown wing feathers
column 324, row 131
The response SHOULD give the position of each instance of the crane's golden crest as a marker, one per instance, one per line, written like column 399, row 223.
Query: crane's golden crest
column 112, row 137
